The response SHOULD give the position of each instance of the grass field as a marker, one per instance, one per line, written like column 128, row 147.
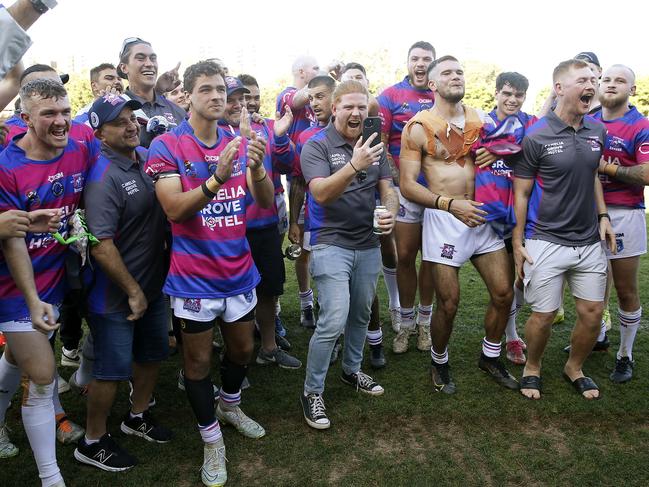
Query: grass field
column 483, row 435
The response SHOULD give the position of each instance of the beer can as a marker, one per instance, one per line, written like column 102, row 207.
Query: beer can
column 377, row 213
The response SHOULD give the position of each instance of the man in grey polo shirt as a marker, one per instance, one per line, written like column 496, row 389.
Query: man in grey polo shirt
column 138, row 64
column 126, row 310
column 561, row 218
column 343, row 172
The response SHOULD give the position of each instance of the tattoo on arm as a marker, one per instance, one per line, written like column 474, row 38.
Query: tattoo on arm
column 633, row 175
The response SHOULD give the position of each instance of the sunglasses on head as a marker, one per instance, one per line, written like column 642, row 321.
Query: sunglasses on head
column 128, row 41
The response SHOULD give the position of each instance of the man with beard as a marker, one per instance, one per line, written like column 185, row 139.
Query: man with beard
column 398, row 104
column 103, row 80
column 560, row 219
column 343, row 173
column 624, row 174
column 138, row 64
column 438, row 142
column 202, row 174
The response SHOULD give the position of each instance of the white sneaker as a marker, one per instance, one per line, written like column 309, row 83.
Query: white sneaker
column 243, row 424
column 7, row 448
column 400, row 342
column 70, row 358
column 63, row 385
column 423, row 338
column 395, row 317
column 213, row 471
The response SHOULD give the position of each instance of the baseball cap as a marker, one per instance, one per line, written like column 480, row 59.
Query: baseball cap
column 234, row 84
column 108, row 107
column 589, row 57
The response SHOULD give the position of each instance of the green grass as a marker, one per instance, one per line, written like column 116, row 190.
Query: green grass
column 483, row 435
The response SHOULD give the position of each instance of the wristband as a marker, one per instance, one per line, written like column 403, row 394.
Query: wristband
column 260, row 180
column 603, row 215
column 206, row 191
column 218, row 179
column 443, row 203
column 615, row 167
column 449, row 204
column 436, row 201
column 355, row 170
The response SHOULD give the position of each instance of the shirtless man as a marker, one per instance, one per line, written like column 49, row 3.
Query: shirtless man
column 438, row 142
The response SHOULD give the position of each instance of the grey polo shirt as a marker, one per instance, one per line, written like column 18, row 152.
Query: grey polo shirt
column 563, row 161
column 121, row 205
column 160, row 106
column 348, row 221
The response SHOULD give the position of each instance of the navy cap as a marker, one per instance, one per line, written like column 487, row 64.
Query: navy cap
column 108, row 107
column 589, row 57
column 234, row 84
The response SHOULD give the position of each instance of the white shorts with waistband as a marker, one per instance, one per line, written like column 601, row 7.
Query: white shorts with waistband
column 630, row 229
column 584, row 268
column 446, row 240
column 228, row 309
column 409, row 212
column 25, row 323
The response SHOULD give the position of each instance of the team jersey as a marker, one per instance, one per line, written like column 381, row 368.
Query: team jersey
column 494, row 184
column 297, row 167
column 210, row 255
column 279, row 156
column 29, row 185
column 302, row 118
column 398, row 104
column 78, row 131
column 627, row 144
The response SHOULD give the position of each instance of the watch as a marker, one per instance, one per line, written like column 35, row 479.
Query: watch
column 42, row 6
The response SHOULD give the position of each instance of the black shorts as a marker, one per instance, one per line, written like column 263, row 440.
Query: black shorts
column 266, row 248
column 191, row 326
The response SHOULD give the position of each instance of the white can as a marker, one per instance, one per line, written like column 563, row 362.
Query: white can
column 378, row 211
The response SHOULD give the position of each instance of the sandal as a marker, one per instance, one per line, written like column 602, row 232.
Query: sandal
column 531, row 382
column 584, row 384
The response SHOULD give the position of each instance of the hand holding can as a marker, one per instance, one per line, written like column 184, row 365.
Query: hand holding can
column 383, row 221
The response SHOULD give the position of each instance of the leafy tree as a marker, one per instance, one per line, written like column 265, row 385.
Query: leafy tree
column 641, row 98
column 79, row 91
column 480, row 80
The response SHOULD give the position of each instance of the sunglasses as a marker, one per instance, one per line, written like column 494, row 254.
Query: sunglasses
column 361, row 176
column 131, row 40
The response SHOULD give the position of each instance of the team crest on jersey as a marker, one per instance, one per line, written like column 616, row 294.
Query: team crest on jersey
column 57, row 188
column 402, row 211
column 405, row 106
column 211, row 168
column 448, row 251
column 248, row 297
column 32, row 198
column 77, row 182
column 190, row 170
column 192, row 304
column 210, row 222
column 236, row 167
column 595, row 144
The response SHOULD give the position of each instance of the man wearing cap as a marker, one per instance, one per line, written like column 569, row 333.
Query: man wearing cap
column 138, row 64
column 261, row 223
column 127, row 314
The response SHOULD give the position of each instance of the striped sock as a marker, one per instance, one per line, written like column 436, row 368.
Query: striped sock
column 511, row 333
column 491, row 350
column 375, row 337
column 423, row 315
column 306, row 298
column 390, row 278
column 210, row 433
column 407, row 317
column 629, row 324
column 230, row 400
column 439, row 358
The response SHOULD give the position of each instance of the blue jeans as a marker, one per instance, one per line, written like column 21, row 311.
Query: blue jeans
column 346, row 283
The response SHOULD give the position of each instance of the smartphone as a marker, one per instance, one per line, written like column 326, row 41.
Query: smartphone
column 372, row 125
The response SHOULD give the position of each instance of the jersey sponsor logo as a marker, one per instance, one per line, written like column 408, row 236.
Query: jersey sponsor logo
column 500, row 168
column 644, row 148
column 77, row 182
column 425, row 101
column 130, row 187
column 192, row 304
column 57, row 188
column 55, row 177
column 619, row 242
column 553, row 148
column 248, row 297
column 402, row 211
column 211, row 158
column 153, row 168
column 448, row 251
column 337, row 159
column 595, row 144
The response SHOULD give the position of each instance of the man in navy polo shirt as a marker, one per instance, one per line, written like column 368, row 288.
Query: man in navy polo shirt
column 127, row 313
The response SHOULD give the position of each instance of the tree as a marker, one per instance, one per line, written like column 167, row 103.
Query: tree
column 480, row 81
column 79, row 91
column 641, row 98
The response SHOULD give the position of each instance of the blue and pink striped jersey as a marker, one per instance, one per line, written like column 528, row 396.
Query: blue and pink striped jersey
column 494, row 184
column 78, row 131
column 297, row 168
column 627, row 144
column 302, row 118
column 29, row 185
column 398, row 104
column 210, row 255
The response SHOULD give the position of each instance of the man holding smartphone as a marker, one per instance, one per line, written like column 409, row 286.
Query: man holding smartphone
column 343, row 172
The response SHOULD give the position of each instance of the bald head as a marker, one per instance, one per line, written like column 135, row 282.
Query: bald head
column 621, row 70
column 616, row 86
column 305, row 68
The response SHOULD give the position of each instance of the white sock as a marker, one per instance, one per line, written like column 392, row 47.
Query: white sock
column 424, row 314
column 210, row 433
column 40, row 426
column 490, row 349
column 629, row 324
column 375, row 337
column 390, row 278
column 511, row 333
column 306, row 298
column 439, row 358
column 58, row 409
column 602, row 331
column 89, row 441
column 9, row 382
column 278, row 307
column 83, row 375
column 407, row 317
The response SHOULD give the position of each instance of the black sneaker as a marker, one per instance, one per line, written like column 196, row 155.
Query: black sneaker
column 152, row 401
column 314, row 411
column 306, row 318
column 146, row 427
column 282, row 342
column 105, row 454
column 623, row 370
column 377, row 357
column 494, row 367
column 362, row 382
column 442, row 381
column 600, row 345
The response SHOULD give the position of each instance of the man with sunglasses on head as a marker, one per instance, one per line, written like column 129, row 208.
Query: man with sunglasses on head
column 138, row 63
column 343, row 173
